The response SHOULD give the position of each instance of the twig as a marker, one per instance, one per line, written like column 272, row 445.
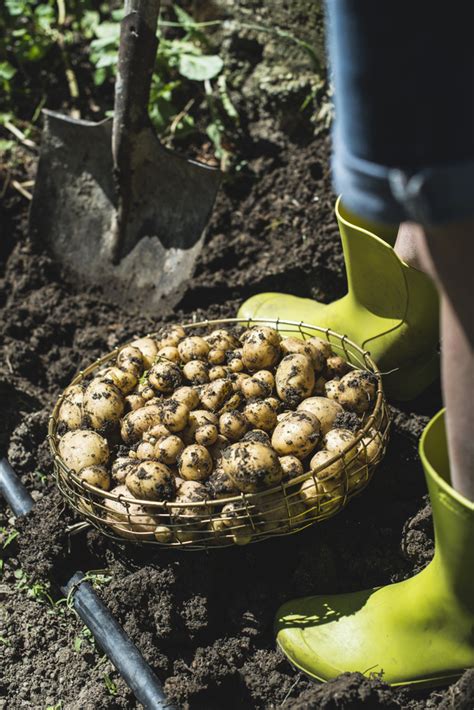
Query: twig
column 5, row 186
column 180, row 116
column 20, row 136
column 19, row 188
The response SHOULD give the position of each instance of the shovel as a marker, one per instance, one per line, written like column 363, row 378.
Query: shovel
column 111, row 204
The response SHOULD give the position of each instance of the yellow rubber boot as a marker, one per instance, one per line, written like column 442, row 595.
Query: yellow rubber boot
column 390, row 309
column 420, row 631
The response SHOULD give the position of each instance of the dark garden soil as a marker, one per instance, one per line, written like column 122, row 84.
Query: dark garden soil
column 203, row 621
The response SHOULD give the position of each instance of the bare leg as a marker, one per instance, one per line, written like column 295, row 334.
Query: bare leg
column 447, row 255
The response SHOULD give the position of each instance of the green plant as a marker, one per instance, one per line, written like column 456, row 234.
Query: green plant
column 110, row 685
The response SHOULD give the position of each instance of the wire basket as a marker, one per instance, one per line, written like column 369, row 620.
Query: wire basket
column 282, row 510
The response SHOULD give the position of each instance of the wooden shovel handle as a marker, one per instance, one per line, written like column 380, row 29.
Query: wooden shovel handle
column 137, row 53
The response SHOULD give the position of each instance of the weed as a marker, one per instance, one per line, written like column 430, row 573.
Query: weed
column 110, row 685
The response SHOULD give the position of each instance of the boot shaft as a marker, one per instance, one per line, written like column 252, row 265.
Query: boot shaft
column 453, row 517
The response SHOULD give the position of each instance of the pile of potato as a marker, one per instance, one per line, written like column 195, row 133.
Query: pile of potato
column 198, row 418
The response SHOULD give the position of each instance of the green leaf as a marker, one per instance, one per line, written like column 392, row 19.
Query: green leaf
column 200, row 68
column 7, row 72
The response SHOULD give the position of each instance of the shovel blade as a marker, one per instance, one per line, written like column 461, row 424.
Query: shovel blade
column 75, row 207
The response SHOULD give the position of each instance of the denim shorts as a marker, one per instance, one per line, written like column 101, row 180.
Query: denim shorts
column 403, row 136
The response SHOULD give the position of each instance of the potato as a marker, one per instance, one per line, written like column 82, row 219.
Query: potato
column 130, row 359
column 103, row 404
column 261, row 415
column 121, row 467
column 217, row 373
column 336, row 366
column 155, row 433
column 338, row 440
column 137, row 422
column 190, row 492
column 197, row 419
column 96, row 476
column 206, row 435
column 168, row 449
column 235, row 364
column 195, row 463
column 291, row 467
column 257, row 435
column 221, row 339
column 165, row 376
column 70, row 411
column 232, row 403
column 148, row 348
column 124, row 381
column 193, row 348
column 279, row 513
column 220, row 485
column 146, row 392
column 216, row 356
column 261, row 348
column 370, row 447
column 214, row 395
column 134, row 401
column 322, row 345
column 266, row 377
column 326, row 410
column 235, row 518
column 297, row 345
column 233, row 425
column 163, row 534
column 145, row 451
column 196, row 372
column 175, row 415
column 317, row 501
column 171, row 335
column 297, row 434
column 188, row 396
column 294, row 378
column 252, row 466
column 274, row 403
column 332, row 475
column 151, row 480
column 81, row 448
column 356, row 391
column 169, row 353
column 128, row 518
column 253, row 387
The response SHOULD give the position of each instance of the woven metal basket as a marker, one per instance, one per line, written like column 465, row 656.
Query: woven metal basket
column 252, row 516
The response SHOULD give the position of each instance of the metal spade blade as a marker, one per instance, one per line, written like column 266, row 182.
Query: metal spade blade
column 110, row 203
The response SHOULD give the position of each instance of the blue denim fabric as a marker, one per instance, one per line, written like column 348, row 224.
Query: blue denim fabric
column 403, row 75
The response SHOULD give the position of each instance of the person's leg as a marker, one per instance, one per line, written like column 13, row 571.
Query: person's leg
column 447, row 254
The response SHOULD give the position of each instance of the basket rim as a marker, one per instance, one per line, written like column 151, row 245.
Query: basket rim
column 247, row 498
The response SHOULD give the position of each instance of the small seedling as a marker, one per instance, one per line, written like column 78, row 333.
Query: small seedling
column 110, row 685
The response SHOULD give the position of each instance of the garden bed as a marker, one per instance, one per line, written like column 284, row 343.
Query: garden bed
column 202, row 620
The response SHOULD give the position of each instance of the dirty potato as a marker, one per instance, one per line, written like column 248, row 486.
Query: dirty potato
column 261, row 348
column 297, row 434
column 195, row 463
column 168, row 449
column 326, row 410
column 196, row 371
column 96, row 476
column 261, row 414
column 294, row 378
column 148, row 348
column 252, row 466
column 151, row 480
column 103, row 404
column 193, row 348
column 70, row 411
column 233, row 425
column 165, row 376
column 81, row 448
column 138, row 421
column 130, row 359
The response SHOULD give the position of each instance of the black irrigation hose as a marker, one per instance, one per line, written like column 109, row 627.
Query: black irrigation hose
column 123, row 653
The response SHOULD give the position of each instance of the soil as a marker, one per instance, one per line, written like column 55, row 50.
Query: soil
column 202, row 620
